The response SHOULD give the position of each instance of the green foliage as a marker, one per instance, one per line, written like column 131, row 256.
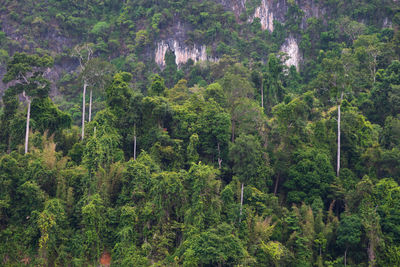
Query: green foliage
column 48, row 117
column 100, row 28
column 157, row 179
column 310, row 176
column 214, row 246
column 349, row 231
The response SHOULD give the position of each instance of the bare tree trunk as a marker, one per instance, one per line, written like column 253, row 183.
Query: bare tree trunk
column 9, row 145
column 262, row 92
column 219, row 157
column 345, row 257
column 28, row 117
column 90, row 105
column 276, row 184
column 233, row 131
column 134, row 142
column 241, row 203
column 83, row 109
column 338, row 133
column 371, row 253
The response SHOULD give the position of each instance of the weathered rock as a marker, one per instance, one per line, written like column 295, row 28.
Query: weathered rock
column 182, row 52
column 265, row 14
column 291, row 48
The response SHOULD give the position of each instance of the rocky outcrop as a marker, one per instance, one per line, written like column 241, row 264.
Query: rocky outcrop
column 291, row 48
column 236, row 6
column 271, row 10
column 265, row 14
column 182, row 52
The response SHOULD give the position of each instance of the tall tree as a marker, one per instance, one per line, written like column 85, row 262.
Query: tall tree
column 246, row 155
column 349, row 233
column 96, row 74
column 26, row 72
column 84, row 53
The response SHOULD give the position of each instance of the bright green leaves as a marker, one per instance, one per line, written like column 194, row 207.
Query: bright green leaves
column 119, row 92
column 216, row 246
column 102, row 147
column 100, row 28
column 157, row 87
column 168, row 195
column 48, row 117
column 94, row 227
column 204, row 205
column 27, row 68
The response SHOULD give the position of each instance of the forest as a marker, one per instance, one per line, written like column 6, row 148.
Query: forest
column 237, row 160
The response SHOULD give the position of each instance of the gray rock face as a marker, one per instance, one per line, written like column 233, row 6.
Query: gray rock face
column 182, row 53
column 291, row 48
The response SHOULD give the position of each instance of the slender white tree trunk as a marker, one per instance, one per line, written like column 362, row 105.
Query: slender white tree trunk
column 338, row 143
column 233, row 131
column 345, row 257
column 219, row 157
column 134, row 147
column 338, row 133
column 262, row 93
column 134, row 142
column 90, row 105
column 83, row 108
column 276, row 184
column 28, row 117
column 241, row 203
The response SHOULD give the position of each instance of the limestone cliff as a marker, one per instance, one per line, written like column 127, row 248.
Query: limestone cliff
column 291, row 48
column 182, row 52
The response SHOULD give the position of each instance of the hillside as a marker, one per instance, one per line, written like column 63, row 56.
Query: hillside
column 200, row 133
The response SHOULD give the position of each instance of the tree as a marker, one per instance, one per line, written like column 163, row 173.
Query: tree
column 273, row 80
column 385, row 95
column 246, row 155
column 238, row 90
column 349, row 233
column 333, row 83
column 213, row 128
column 370, row 45
column 204, row 205
column 10, row 103
column 48, row 117
column 96, row 74
column 102, row 147
column 26, row 71
column 52, row 226
column 310, row 175
column 214, row 247
column 84, row 53
column 94, row 226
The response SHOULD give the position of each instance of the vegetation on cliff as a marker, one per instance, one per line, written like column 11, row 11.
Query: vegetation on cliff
column 236, row 162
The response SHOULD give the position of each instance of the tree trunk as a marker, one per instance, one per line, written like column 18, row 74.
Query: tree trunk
column 219, row 157
column 371, row 253
column 134, row 141
column 28, row 117
column 9, row 145
column 83, row 109
column 338, row 141
column 345, row 257
column 90, row 105
column 276, row 184
column 233, row 131
column 134, row 147
column 262, row 92
column 241, row 203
